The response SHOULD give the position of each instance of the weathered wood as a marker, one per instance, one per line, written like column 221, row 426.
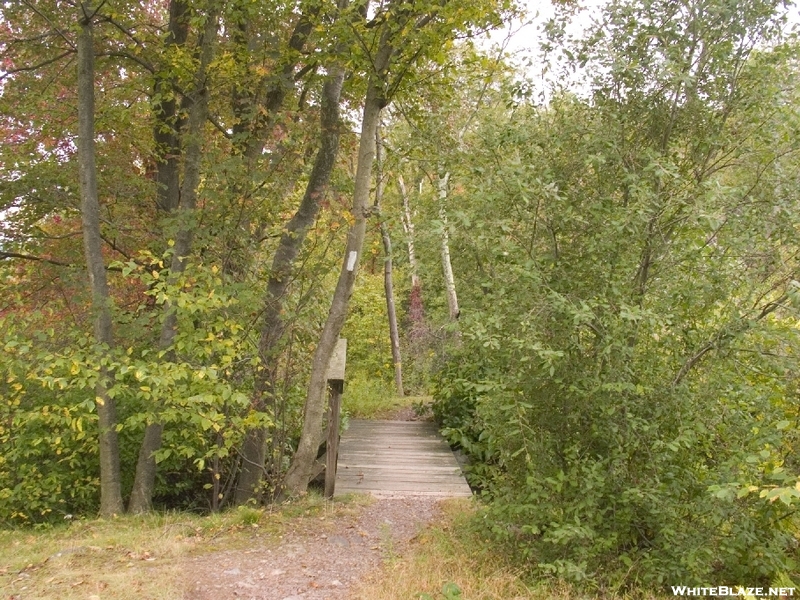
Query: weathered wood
column 398, row 458
column 332, row 451
column 338, row 360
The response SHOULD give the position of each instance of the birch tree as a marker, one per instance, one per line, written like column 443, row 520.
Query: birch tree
column 388, row 280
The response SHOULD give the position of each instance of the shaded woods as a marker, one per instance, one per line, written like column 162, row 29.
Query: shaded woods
column 599, row 290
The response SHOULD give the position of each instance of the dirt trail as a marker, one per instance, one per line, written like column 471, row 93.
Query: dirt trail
column 321, row 561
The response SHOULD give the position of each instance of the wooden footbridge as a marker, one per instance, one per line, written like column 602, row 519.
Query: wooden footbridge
column 385, row 458
column 396, row 459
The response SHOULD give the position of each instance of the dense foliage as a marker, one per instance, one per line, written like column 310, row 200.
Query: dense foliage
column 626, row 382
column 225, row 152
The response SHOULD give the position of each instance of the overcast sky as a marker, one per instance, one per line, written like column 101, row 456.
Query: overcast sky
column 525, row 36
column 522, row 37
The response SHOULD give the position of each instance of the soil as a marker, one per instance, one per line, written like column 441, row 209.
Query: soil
column 322, row 559
column 324, row 563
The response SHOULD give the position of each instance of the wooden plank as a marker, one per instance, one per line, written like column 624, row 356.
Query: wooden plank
column 390, row 468
column 332, row 449
column 388, row 475
column 337, row 363
column 404, row 486
column 397, row 458
column 405, row 494
column 387, row 460
column 410, row 453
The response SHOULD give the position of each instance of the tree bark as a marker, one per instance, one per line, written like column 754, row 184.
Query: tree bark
column 273, row 326
column 302, row 464
column 447, row 266
column 110, row 487
column 165, row 132
column 144, row 481
column 391, row 311
column 408, row 228
column 416, row 309
column 388, row 283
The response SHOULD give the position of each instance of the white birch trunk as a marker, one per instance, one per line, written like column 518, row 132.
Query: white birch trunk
column 408, row 228
column 447, row 266
column 388, row 282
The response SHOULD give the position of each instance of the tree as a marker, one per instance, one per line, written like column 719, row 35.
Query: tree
column 283, row 264
column 144, row 482
column 110, row 490
column 388, row 281
column 629, row 304
column 205, row 134
column 420, row 29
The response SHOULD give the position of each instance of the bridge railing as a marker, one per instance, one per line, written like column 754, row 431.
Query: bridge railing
column 335, row 388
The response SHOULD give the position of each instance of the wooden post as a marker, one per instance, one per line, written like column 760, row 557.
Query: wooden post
column 335, row 378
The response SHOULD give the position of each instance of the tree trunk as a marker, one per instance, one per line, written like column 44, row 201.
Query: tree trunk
column 144, row 482
column 301, row 468
column 165, row 132
column 166, row 135
column 447, row 267
column 388, row 283
column 408, row 228
column 416, row 308
column 291, row 242
column 388, row 287
column 110, row 488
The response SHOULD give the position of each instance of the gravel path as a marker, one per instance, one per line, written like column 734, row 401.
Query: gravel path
column 316, row 563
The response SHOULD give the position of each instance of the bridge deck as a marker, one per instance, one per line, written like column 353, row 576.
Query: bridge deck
column 397, row 458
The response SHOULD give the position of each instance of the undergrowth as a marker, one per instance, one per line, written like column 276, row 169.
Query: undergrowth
column 375, row 399
column 452, row 561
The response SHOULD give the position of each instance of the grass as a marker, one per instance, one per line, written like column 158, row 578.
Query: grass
column 140, row 557
column 374, row 399
column 449, row 562
column 144, row 558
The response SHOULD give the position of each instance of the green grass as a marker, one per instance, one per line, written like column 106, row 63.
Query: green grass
column 375, row 399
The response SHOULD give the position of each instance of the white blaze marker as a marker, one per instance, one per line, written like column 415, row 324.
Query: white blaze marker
column 351, row 260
